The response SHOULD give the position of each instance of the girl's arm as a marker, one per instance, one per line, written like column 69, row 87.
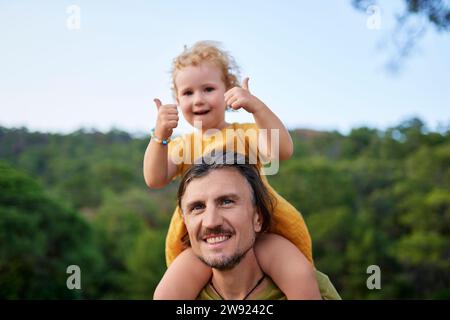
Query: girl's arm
column 158, row 168
column 288, row 267
column 184, row 279
column 265, row 119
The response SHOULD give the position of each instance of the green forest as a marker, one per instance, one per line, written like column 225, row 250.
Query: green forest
column 370, row 197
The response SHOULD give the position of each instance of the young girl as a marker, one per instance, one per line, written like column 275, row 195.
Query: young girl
column 204, row 81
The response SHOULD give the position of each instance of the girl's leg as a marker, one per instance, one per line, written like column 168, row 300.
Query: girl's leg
column 184, row 279
column 287, row 266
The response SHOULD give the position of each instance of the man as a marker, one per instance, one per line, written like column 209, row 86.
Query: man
column 225, row 207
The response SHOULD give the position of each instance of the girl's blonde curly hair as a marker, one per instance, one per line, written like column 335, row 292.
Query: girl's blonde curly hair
column 207, row 51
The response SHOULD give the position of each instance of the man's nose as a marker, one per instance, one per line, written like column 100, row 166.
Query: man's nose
column 212, row 218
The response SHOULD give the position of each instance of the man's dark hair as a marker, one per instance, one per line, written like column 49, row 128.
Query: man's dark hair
column 261, row 197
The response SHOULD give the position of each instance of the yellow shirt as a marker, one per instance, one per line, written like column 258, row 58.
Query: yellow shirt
column 184, row 150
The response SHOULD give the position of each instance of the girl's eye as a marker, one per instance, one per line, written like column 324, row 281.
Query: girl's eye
column 187, row 93
column 209, row 89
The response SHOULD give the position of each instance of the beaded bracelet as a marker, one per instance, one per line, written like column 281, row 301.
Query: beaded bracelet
column 158, row 140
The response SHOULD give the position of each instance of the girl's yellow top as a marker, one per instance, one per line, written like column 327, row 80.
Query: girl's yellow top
column 241, row 138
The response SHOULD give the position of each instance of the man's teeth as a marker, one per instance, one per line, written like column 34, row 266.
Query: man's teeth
column 217, row 239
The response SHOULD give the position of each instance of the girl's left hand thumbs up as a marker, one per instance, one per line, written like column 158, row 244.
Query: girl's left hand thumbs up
column 240, row 97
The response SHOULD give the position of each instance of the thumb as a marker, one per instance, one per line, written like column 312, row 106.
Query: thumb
column 158, row 103
column 245, row 84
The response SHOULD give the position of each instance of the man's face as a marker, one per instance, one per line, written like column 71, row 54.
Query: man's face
column 220, row 217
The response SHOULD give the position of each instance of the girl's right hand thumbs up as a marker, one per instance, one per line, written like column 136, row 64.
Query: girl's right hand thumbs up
column 158, row 103
column 167, row 119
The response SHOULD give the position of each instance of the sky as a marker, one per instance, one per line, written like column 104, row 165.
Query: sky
column 66, row 65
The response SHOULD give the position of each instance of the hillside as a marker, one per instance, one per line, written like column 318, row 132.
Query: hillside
column 369, row 198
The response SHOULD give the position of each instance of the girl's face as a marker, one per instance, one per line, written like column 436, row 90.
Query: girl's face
column 200, row 94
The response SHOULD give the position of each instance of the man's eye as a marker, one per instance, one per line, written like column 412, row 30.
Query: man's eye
column 197, row 207
column 227, row 202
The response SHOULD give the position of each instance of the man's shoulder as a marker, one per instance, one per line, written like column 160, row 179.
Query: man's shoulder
column 270, row 292
column 327, row 289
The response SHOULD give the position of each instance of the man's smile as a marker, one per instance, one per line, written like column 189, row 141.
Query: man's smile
column 216, row 240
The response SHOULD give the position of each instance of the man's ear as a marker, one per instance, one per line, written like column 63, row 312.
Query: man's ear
column 257, row 221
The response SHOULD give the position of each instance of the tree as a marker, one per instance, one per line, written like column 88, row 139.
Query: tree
column 126, row 226
column 40, row 238
column 144, row 264
column 373, row 197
